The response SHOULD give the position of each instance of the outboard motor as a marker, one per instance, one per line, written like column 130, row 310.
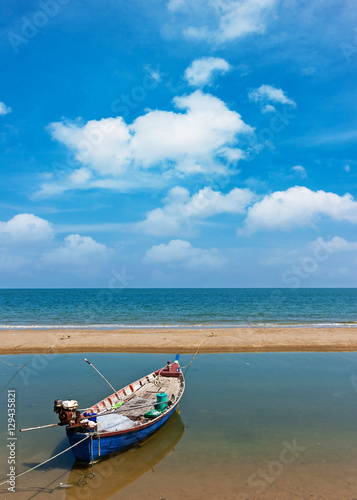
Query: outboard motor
column 66, row 411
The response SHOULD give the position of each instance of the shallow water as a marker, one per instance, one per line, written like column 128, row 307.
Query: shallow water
column 251, row 426
column 118, row 308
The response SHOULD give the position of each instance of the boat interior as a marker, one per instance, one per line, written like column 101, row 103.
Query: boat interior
column 137, row 399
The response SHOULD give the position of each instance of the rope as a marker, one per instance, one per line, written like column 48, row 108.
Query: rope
column 91, row 452
column 18, row 371
column 48, row 460
column 196, row 353
column 157, row 379
column 10, row 364
column 22, row 366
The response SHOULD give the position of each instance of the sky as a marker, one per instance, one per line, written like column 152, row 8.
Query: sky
column 178, row 143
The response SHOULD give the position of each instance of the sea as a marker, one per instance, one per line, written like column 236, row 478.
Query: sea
column 177, row 308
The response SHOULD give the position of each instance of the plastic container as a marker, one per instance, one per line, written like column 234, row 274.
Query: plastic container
column 161, row 398
column 152, row 414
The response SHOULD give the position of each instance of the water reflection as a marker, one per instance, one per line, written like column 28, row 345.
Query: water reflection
column 117, row 472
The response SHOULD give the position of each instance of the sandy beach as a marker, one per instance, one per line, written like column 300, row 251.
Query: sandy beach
column 180, row 340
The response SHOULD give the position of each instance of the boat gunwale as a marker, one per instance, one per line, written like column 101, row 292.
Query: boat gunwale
column 137, row 427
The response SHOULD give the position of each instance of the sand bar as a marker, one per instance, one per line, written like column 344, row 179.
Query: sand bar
column 180, row 340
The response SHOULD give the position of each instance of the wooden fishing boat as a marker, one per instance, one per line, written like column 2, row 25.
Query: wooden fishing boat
column 126, row 417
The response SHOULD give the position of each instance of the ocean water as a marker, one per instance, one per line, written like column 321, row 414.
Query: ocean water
column 257, row 426
column 125, row 307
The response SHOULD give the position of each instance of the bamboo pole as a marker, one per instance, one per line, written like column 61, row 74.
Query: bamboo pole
column 39, row 427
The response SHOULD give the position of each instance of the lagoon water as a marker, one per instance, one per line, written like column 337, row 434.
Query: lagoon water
column 191, row 307
column 251, row 426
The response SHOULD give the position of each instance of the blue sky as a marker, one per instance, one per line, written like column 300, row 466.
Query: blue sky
column 178, row 143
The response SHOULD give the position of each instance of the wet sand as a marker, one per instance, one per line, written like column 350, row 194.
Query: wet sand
column 180, row 340
column 212, row 479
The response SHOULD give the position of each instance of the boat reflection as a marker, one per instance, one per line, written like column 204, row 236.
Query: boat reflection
column 116, row 472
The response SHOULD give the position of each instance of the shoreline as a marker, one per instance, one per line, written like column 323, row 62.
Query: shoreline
column 104, row 328
column 162, row 340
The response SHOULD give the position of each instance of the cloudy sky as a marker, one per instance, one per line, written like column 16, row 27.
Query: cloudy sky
column 174, row 143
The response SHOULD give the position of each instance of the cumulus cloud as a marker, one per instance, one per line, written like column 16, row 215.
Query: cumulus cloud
column 103, row 145
column 181, row 210
column 297, row 207
column 77, row 252
column 4, row 110
column 25, row 229
column 193, row 141
column 28, row 244
column 224, row 20
column 202, row 137
column 201, row 71
column 266, row 94
column 336, row 244
column 182, row 253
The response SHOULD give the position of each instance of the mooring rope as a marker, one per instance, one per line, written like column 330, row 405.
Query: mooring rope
column 196, row 353
column 48, row 460
column 10, row 364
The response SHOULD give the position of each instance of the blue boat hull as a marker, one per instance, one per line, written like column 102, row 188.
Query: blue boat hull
column 112, row 442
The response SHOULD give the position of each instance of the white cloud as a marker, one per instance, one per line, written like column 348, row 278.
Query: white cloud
column 80, row 176
column 266, row 93
column 28, row 245
column 297, row 207
column 181, row 211
column 192, row 141
column 299, row 170
column 268, row 108
column 200, row 138
column 182, row 253
column 77, row 252
column 336, row 244
column 103, row 145
column 201, row 71
column 223, row 20
column 4, row 110
column 25, row 228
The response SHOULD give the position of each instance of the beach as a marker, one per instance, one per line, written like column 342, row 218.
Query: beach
column 185, row 340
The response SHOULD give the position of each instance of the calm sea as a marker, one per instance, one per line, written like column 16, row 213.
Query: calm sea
column 251, row 426
column 119, row 308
